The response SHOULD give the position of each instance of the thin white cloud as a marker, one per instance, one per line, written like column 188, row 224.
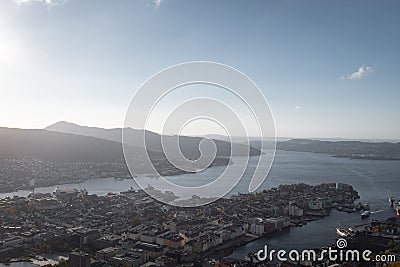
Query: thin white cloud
column 361, row 72
column 49, row 3
column 297, row 108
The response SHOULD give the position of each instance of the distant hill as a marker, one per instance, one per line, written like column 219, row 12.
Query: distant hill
column 345, row 149
column 188, row 145
column 57, row 147
column 53, row 158
column 67, row 153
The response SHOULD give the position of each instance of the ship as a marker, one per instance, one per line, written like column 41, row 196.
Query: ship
column 70, row 192
column 365, row 214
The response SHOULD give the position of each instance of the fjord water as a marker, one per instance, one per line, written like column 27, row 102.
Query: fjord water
column 375, row 181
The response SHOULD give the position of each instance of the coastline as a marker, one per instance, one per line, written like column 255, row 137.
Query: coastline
column 220, row 161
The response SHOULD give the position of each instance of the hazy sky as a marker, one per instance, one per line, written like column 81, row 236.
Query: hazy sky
column 327, row 68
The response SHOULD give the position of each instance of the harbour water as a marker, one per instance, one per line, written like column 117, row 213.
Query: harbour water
column 375, row 181
column 314, row 235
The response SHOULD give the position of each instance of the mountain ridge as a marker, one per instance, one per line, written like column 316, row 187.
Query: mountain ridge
column 189, row 145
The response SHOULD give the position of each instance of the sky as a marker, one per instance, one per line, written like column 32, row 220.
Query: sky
column 326, row 68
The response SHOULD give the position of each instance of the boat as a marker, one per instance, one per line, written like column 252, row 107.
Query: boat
column 365, row 214
column 343, row 232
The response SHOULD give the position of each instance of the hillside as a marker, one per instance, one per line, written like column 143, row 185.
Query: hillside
column 57, row 147
column 52, row 158
column 188, row 145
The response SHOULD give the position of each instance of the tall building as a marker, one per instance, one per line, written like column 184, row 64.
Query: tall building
column 78, row 259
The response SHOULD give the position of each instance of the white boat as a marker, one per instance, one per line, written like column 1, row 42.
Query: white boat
column 365, row 214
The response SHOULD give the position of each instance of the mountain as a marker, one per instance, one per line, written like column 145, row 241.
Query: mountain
column 57, row 147
column 188, row 145
column 52, row 158
column 66, row 153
